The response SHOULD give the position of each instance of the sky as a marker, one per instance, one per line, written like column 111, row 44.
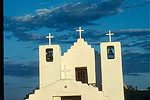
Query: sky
column 28, row 22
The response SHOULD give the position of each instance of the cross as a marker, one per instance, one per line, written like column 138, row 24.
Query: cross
column 110, row 35
column 65, row 71
column 79, row 31
column 49, row 38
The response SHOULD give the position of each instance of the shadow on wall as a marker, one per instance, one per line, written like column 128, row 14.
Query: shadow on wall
column 98, row 70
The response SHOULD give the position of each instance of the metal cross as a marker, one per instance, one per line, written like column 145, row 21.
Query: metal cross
column 65, row 71
column 49, row 38
column 110, row 35
column 79, row 31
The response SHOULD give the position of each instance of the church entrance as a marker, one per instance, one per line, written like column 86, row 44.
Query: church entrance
column 81, row 74
column 71, row 98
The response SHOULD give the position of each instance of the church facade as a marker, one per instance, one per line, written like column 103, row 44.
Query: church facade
column 81, row 73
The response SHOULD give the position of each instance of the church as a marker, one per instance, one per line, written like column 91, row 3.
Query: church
column 81, row 73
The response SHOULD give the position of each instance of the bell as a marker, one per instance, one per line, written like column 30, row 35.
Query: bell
column 49, row 57
column 110, row 52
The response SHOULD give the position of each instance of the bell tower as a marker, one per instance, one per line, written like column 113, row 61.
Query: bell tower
column 111, row 67
column 49, row 63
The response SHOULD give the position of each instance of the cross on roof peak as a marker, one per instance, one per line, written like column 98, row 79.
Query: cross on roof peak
column 110, row 35
column 79, row 32
column 49, row 38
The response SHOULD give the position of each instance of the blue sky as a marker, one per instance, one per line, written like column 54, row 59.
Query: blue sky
column 27, row 22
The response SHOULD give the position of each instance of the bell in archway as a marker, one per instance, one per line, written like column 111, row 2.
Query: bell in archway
column 110, row 52
column 49, row 57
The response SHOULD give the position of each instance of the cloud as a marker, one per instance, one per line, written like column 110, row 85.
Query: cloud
column 14, row 57
column 141, row 3
column 66, row 16
column 22, row 33
column 133, row 32
column 25, row 36
column 34, row 49
column 5, row 83
column 22, row 69
column 42, row 3
column 8, row 37
column 139, row 35
column 28, row 47
column 63, row 17
column 68, row 42
column 118, row 34
column 6, row 57
column 30, row 87
column 133, row 74
column 144, row 44
column 93, row 34
column 135, row 62
column 135, row 46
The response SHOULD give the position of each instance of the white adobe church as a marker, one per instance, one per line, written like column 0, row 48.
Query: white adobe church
column 81, row 73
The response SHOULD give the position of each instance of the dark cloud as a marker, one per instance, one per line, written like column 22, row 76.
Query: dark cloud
column 8, row 37
column 24, row 69
column 30, row 87
column 23, row 35
column 42, row 3
column 140, row 36
column 133, row 32
column 136, row 34
column 68, row 42
column 26, row 36
column 16, row 57
column 60, row 38
column 22, row 57
column 5, row 83
column 6, row 57
column 28, row 47
column 144, row 44
column 135, row 62
column 136, row 56
column 34, row 49
column 93, row 34
column 133, row 74
column 121, row 38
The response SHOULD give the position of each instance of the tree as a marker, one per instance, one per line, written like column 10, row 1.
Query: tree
column 130, row 87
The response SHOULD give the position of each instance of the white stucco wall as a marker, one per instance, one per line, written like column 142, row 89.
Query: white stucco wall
column 79, row 55
column 57, row 89
column 112, row 78
column 49, row 71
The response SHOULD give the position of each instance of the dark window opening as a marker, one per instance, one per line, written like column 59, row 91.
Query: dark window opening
column 110, row 52
column 49, row 55
column 81, row 74
column 71, row 98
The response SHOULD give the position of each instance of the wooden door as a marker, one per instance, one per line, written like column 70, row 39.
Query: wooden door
column 81, row 74
column 71, row 98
